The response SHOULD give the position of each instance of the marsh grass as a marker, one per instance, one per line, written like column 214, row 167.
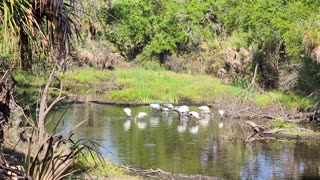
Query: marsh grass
column 290, row 128
column 141, row 85
column 91, row 164
column 85, row 76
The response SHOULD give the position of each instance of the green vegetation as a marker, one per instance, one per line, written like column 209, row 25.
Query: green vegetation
column 90, row 163
column 290, row 128
column 140, row 85
column 225, row 38
column 88, row 76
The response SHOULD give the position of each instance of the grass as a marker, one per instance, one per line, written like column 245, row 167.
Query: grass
column 141, row 85
column 291, row 128
column 86, row 76
column 91, row 164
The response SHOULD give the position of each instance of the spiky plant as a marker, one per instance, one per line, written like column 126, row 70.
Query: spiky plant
column 55, row 157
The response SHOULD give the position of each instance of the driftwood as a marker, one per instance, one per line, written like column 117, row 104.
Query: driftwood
column 160, row 174
column 262, row 132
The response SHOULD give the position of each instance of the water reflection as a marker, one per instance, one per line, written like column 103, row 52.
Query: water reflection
column 127, row 125
column 194, row 129
column 161, row 141
column 141, row 125
column 182, row 127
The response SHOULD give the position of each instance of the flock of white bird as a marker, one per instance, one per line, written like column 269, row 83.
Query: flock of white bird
column 184, row 112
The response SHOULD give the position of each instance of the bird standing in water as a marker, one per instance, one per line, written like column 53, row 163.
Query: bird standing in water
column 127, row 111
column 221, row 112
column 204, row 109
column 141, row 115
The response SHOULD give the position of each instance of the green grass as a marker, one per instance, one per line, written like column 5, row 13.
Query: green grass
column 139, row 85
column 290, row 128
column 86, row 76
column 90, row 163
column 25, row 79
column 289, row 99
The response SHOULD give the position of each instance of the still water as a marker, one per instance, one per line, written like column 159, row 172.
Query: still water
column 161, row 141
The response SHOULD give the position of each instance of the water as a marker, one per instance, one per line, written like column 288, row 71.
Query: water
column 160, row 141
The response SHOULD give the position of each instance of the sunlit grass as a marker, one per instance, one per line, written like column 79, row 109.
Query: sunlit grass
column 86, row 76
column 290, row 99
column 26, row 79
column 90, row 163
column 290, row 128
column 139, row 85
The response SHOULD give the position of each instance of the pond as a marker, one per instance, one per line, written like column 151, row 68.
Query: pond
column 161, row 141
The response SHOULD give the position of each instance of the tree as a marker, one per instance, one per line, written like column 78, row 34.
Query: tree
column 157, row 28
column 43, row 27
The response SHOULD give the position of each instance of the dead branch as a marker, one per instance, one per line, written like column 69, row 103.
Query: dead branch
column 43, row 106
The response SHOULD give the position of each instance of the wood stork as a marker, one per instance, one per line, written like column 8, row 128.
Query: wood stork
column 165, row 110
column 194, row 114
column 168, row 105
column 155, row 106
column 182, row 110
column 127, row 111
column 141, row 115
column 221, row 112
column 204, row 109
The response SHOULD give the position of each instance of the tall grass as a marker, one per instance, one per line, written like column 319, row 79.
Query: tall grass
column 141, row 85
column 87, row 76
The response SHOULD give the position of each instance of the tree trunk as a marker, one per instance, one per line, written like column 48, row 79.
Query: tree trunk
column 7, row 84
column 25, row 52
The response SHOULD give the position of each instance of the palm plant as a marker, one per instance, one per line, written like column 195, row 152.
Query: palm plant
column 42, row 26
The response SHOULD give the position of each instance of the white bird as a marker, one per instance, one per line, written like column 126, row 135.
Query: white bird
column 127, row 111
column 182, row 109
column 204, row 109
column 155, row 106
column 221, row 112
column 194, row 114
column 141, row 115
column 165, row 110
column 168, row 105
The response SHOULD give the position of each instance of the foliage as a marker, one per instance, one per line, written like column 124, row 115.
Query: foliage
column 156, row 28
column 37, row 27
column 90, row 163
column 87, row 76
column 280, row 123
column 262, row 18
